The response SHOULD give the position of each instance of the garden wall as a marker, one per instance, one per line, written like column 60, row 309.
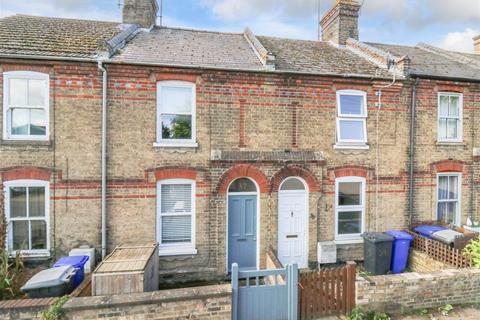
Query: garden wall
column 210, row 302
column 407, row 291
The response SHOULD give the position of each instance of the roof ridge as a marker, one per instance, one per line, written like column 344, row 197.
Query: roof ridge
column 60, row 18
column 454, row 55
column 266, row 57
column 197, row 30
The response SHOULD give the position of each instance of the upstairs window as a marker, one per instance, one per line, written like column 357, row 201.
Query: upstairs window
column 351, row 118
column 26, row 204
column 450, row 117
column 26, row 100
column 176, row 113
column 448, row 197
column 350, row 207
column 176, row 216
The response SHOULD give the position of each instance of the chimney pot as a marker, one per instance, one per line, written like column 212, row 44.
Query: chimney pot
column 141, row 12
column 341, row 22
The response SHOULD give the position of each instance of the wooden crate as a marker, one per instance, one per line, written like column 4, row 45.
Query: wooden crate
column 128, row 269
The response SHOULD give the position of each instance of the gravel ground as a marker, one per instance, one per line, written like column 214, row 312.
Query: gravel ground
column 468, row 313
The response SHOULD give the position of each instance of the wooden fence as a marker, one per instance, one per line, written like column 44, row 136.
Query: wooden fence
column 327, row 292
column 441, row 252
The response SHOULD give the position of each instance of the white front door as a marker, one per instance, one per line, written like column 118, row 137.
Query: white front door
column 293, row 227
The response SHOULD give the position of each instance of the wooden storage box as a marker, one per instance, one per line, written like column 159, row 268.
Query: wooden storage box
column 128, row 269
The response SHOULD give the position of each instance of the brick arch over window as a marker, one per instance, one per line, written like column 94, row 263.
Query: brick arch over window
column 294, row 171
column 175, row 173
column 239, row 171
column 448, row 166
column 26, row 173
column 351, row 171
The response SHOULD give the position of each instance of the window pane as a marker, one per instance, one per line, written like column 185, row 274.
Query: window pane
column 447, row 211
column 20, row 235
column 176, row 100
column 39, row 235
column 351, row 130
column 293, row 184
column 349, row 222
column 454, row 106
column 452, row 128
column 18, row 202
column 442, row 128
column 242, row 185
column 453, row 187
column 18, row 92
column 38, row 123
column 176, row 229
column 20, row 120
column 176, row 198
column 442, row 188
column 351, row 105
column 444, row 105
column 176, row 127
column 36, row 201
column 349, row 193
column 36, row 92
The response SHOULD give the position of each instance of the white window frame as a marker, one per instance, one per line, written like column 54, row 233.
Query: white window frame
column 460, row 117
column 27, row 183
column 172, row 249
column 29, row 75
column 357, row 118
column 176, row 142
column 457, row 221
column 361, row 207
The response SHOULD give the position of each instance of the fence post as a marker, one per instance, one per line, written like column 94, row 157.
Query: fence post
column 351, row 279
column 292, row 291
column 234, row 291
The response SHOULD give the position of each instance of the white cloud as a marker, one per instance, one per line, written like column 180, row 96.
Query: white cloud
column 459, row 41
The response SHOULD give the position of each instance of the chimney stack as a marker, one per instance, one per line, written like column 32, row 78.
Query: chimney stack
column 141, row 12
column 476, row 44
column 341, row 22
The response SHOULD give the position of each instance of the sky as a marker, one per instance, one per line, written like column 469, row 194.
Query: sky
column 450, row 24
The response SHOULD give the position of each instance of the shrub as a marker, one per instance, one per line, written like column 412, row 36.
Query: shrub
column 10, row 274
column 55, row 312
column 472, row 249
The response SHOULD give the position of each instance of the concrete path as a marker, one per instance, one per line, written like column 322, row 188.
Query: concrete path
column 456, row 314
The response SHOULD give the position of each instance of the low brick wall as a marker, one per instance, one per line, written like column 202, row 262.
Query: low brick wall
column 209, row 302
column 407, row 291
column 422, row 263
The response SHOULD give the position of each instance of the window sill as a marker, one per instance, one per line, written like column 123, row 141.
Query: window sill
column 351, row 146
column 349, row 241
column 175, row 145
column 450, row 143
column 32, row 256
column 15, row 142
column 165, row 252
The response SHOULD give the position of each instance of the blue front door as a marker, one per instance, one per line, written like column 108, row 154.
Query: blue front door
column 242, row 231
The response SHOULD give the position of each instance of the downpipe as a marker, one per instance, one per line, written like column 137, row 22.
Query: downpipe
column 104, row 158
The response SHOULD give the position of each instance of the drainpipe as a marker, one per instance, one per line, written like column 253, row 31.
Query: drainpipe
column 412, row 153
column 104, row 158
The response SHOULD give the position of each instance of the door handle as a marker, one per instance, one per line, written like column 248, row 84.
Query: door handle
column 290, row 236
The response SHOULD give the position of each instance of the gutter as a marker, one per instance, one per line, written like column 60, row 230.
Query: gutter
column 411, row 160
column 104, row 158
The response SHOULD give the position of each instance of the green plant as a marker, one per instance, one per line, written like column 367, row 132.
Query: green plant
column 10, row 271
column 55, row 311
column 356, row 314
column 445, row 310
column 472, row 249
column 359, row 314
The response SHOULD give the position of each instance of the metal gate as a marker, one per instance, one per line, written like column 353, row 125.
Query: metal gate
column 265, row 294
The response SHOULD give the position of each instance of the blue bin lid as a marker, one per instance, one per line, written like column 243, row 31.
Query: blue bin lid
column 429, row 230
column 74, row 261
column 400, row 235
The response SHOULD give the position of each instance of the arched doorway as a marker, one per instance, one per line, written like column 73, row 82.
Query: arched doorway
column 293, row 222
column 242, row 224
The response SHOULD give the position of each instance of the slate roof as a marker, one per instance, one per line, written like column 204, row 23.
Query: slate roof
column 318, row 57
column 192, row 48
column 427, row 63
column 44, row 36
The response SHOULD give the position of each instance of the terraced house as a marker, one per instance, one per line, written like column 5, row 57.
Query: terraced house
column 221, row 146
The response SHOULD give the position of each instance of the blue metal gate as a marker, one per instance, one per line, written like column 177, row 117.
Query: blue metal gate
column 265, row 294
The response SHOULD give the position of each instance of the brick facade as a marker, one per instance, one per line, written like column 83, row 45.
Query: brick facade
column 241, row 113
